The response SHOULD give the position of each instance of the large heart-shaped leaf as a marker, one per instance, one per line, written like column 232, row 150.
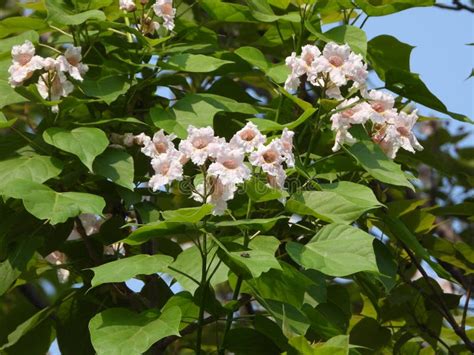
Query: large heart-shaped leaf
column 84, row 142
column 336, row 250
column 45, row 203
column 60, row 13
column 340, row 202
column 195, row 63
column 119, row 331
column 124, row 269
column 197, row 110
column 116, row 165
column 37, row 168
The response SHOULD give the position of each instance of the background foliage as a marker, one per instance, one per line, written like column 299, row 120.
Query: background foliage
column 382, row 261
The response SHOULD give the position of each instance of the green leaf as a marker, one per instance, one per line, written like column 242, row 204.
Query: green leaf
column 60, row 13
column 119, row 331
column 376, row 163
column 386, row 7
column 84, row 142
column 410, row 85
column 370, row 334
column 336, row 250
column 36, row 168
column 45, row 203
column 4, row 123
column 258, row 258
column 386, row 52
column 353, row 36
column 249, row 341
column 226, row 11
column 187, row 215
column 291, row 320
column 263, row 224
column 17, row 24
column 26, row 326
column 156, row 230
column 117, row 166
column 255, row 57
column 108, row 88
column 6, row 44
column 124, row 269
column 186, row 269
column 258, row 191
column 194, row 63
column 197, row 110
column 340, row 202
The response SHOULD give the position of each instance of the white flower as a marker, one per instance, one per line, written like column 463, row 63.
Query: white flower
column 160, row 144
column 56, row 84
column 382, row 106
column 165, row 10
column 200, row 144
column 229, row 167
column 127, row 5
column 71, row 62
column 342, row 136
column 248, row 138
column 399, row 134
column 24, row 63
column 168, row 168
column 50, row 64
column 286, row 147
column 308, row 54
column 277, row 180
column 292, row 82
column 333, row 62
column 268, row 157
column 220, row 194
column 355, row 114
column 356, row 70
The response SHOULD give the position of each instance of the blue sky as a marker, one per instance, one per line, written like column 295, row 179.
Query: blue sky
column 441, row 56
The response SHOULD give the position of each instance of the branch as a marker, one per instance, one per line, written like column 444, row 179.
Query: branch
column 164, row 343
column 456, row 6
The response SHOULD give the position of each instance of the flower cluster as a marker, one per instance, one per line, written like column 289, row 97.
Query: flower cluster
column 335, row 67
column 222, row 163
column 389, row 128
column 162, row 8
column 52, row 82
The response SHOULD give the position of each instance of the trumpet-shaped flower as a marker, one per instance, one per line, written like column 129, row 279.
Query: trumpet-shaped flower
column 165, row 10
column 200, row 144
column 168, row 168
column 71, row 62
column 24, row 63
column 229, row 166
column 248, row 138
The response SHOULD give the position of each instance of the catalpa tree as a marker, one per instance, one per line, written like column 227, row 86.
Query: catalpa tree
column 221, row 177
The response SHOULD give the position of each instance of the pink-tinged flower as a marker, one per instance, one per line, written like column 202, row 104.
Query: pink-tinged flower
column 292, row 83
column 277, row 180
column 200, row 144
column 229, row 167
column 300, row 65
column 382, row 106
column 160, row 144
column 165, row 10
column 333, row 62
column 24, row 63
column 248, row 138
column 127, row 5
column 342, row 136
column 356, row 70
column 351, row 113
column 268, row 157
column 168, row 168
column 54, row 85
column 399, row 134
column 286, row 147
column 71, row 62
column 219, row 194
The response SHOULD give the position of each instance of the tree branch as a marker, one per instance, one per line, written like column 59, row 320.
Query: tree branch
column 456, row 6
